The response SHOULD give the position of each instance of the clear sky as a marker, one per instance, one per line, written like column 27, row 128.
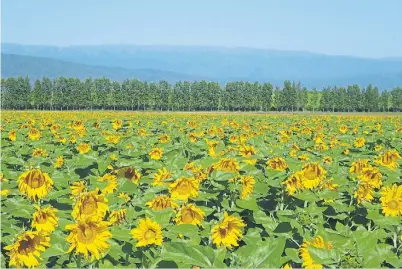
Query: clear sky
column 367, row 28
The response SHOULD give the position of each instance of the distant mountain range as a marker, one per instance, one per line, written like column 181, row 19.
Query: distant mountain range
column 174, row 63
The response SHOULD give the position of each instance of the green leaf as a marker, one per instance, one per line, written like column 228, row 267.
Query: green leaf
column 249, row 203
column 264, row 254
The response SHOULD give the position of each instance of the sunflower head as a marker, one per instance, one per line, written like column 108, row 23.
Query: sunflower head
column 359, row 142
column 83, row 148
column 312, row 174
column 317, row 242
column 91, row 204
column 88, row 237
column 156, row 153
column 184, row 188
column 34, row 134
column 25, row 252
column 358, row 166
column 12, row 135
column 227, row 165
column 277, row 163
column 161, row 202
column 389, row 159
column 164, row 138
column 364, row 192
column 247, row 183
column 148, row 232
column 45, row 219
column 59, row 162
column 190, row 214
column 77, row 188
column 372, row 176
column 118, row 216
column 294, row 183
column 34, row 184
column 228, row 232
column 391, row 200
column 117, row 124
column 113, row 139
column 247, row 151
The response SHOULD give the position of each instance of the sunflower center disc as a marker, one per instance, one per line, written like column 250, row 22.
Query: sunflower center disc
column 149, row 234
column 393, row 204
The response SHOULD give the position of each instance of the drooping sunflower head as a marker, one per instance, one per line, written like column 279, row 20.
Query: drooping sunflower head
column 113, row 139
column 59, row 162
column 45, row 219
column 26, row 250
column 77, row 188
column 317, row 242
column 364, row 192
column 312, row 175
column 117, row 124
column 148, row 232
column 88, row 237
column 161, row 202
column 227, row 165
column 277, row 163
column 184, row 188
column 190, row 214
column 372, row 176
column 164, row 138
column 228, row 232
column 391, row 200
column 358, row 166
column 160, row 177
column 39, row 152
column 34, row 184
column 118, row 216
column 12, row 135
column 247, row 183
column 359, row 142
column 294, row 183
column 247, row 151
column 327, row 159
column 91, row 204
column 156, row 153
column 34, row 134
column 83, row 148
column 389, row 159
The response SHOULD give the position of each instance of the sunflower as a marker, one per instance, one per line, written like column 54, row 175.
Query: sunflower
column 77, row 188
column 304, row 157
column 327, row 160
column 378, row 148
column 45, row 219
column 228, row 232
column 372, row 176
column 359, row 142
column 4, row 192
column 113, row 139
column 90, row 204
column 124, row 196
column 277, row 163
column 112, row 183
column 142, row 132
column 227, row 165
column 358, row 166
column 89, row 236
column 38, row 152
column 34, row 134
column 317, row 242
column 190, row 214
column 247, row 151
column 164, row 138
column 12, row 135
column 294, row 183
column 161, row 202
column 59, row 162
column 118, row 216
column 184, row 188
column 148, row 232
column 343, row 129
column 391, row 200
column 35, row 184
column 346, row 152
column 364, row 192
column 160, row 177
column 117, row 124
column 83, row 148
column 212, row 147
column 389, row 159
column 156, row 153
column 247, row 183
column 26, row 250
column 312, row 175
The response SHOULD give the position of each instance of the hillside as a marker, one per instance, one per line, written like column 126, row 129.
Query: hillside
column 174, row 63
column 38, row 67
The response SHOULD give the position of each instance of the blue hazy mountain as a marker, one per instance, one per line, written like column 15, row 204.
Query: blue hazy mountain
column 174, row 63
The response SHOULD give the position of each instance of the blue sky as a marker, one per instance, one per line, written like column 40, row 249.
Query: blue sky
column 366, row 28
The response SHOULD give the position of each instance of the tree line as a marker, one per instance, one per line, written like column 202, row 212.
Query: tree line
column 102, row 93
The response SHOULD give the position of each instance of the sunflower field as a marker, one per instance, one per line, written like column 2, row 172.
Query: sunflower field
column 171, row 190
